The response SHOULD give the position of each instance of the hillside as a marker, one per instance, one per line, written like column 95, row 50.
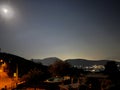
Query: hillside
column 84, row 62
column 73, row 62
column 13, row 62
column 46, row 61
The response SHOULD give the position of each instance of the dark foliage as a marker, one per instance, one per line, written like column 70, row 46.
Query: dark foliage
column 112, row 70
column 59, row 68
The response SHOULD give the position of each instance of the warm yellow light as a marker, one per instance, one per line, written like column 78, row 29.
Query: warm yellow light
column 1, row 60
column 1, row 70
column 15, row 74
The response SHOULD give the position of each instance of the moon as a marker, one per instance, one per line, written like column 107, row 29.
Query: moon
column 5, row 10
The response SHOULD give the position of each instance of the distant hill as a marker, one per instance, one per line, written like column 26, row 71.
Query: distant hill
column 84, row 62
column 73, row 62
column 46, row 61
column 14, row 61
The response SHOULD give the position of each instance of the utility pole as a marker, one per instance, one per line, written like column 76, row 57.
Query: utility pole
column 16, row 71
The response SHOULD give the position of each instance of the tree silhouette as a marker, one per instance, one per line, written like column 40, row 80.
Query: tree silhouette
column 33, row 76
column 59, row 68
column 111, row 68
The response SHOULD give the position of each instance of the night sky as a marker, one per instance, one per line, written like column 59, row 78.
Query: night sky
column 66, row 29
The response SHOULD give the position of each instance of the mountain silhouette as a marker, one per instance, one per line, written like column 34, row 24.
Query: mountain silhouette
column 46, row 61
column 73, row 62
column 84, row 62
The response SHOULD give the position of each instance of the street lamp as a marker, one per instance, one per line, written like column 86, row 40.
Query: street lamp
column 1, row 61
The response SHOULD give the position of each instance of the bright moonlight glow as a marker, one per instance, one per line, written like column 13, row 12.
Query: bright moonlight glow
column 5, row 10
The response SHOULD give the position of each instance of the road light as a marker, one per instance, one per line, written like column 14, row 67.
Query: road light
column 1, row 61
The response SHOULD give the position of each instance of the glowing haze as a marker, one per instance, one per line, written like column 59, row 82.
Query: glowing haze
column 88, row 29
column 6, row 11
